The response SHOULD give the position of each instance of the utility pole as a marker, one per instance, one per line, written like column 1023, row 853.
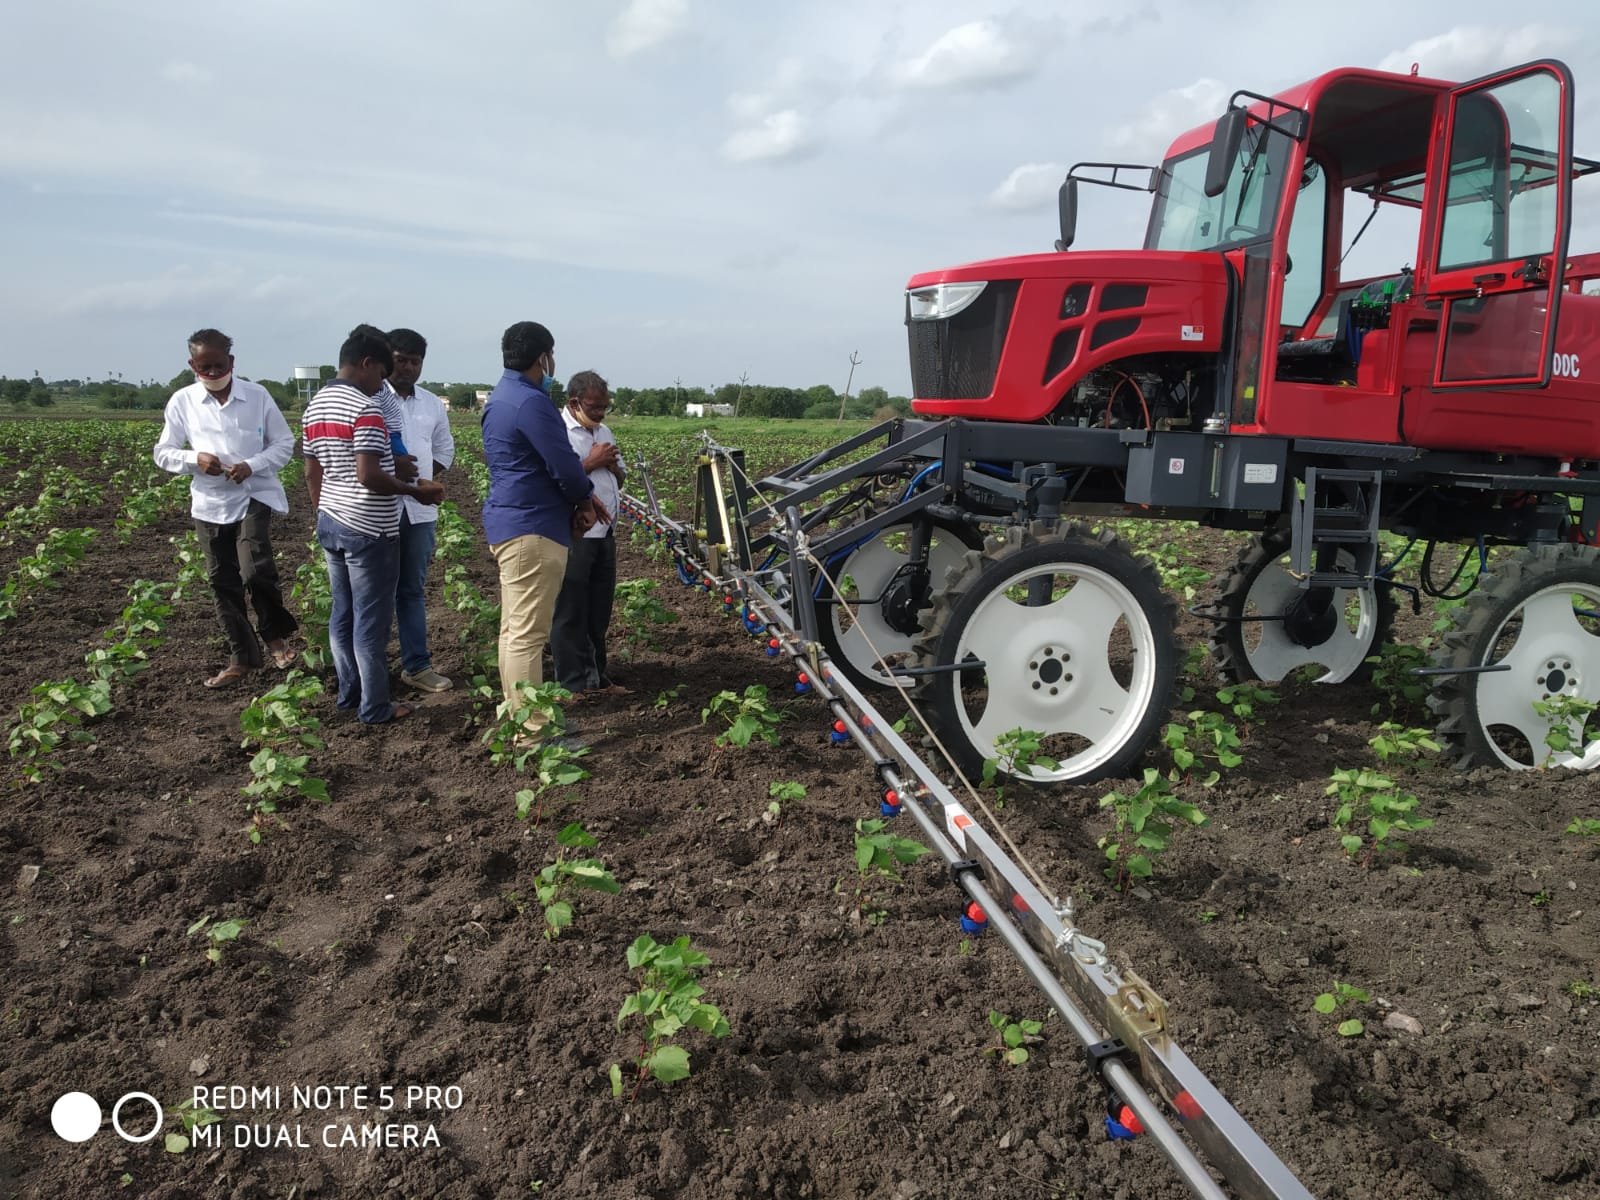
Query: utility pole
column 855, row 361
column 677, row 395
column 737, row 400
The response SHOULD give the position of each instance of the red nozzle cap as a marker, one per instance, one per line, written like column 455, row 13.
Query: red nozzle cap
column 975, row 913
column 891, row 798
column 1021, row 905
column 773, row 644
column 727, row 599
column 838, row 726
column 1188, row 1108
column 804, row 678
column 1129, row 1120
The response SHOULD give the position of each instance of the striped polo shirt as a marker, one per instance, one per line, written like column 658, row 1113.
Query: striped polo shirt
column 341, row 421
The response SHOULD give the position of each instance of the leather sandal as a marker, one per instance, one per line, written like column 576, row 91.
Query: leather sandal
column 228, row 676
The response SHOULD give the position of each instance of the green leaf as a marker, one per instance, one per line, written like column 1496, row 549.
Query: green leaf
column 558, row 916
column 1011, row 1035
column 314, row 789
column 576, row 835
column 1139, row 865
column 1325, row 1003
column 864, row 852
column 594, row 877
column 668, row 1063
column 1351, row 843
column 176, row 1143
column 1017, row 1057
column 1351, row 1028
column 616, row 1080
column 1031, row 1027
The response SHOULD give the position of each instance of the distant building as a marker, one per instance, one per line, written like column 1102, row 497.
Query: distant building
column 480, row 397
column 708, row 410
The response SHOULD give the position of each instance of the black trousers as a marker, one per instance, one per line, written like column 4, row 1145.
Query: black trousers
column 239, row 560
column 583, row 614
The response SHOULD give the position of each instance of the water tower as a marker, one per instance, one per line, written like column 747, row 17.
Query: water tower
column 306, row 382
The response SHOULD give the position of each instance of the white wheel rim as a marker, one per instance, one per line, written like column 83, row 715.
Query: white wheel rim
column 872, row 567
column 1016, row 641
column 1276, row 654
column 1553, row 647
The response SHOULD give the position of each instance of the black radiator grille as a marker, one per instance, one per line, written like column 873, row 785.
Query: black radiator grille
column 956, row 358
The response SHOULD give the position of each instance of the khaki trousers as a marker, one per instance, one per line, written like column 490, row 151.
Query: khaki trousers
column 531, row 571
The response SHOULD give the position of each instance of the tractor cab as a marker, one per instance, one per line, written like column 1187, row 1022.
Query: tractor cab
column 1243, row 312
column 1285, row 188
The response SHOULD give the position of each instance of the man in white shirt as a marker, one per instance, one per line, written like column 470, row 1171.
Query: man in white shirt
column 230, row 437
column 425, row 430
column 583, row 609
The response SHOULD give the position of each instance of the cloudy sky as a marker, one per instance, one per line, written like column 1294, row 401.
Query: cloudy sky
column 680, row 189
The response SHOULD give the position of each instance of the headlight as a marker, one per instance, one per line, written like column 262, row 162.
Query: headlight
column 942, row 300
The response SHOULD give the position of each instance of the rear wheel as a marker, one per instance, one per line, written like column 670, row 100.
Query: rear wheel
column 1076, row 640
column 1538, row 617
column 1271, row 626
column 884, row 601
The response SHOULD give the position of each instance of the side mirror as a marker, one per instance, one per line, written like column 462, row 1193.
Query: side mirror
column 1067, row 205
column 1225, row 144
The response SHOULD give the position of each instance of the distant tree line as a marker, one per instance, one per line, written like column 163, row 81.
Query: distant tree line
column 748, row 400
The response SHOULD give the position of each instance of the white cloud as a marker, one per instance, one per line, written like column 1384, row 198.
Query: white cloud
column 1468, row 51
column 977, row 54
column 778, row 136
column 185, row 73
column 1030, row 186
column 645, row 24
column 1150, row 133
column 180, row 289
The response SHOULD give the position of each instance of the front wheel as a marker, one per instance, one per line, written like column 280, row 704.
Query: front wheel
column 1538, row 619
column 1076, row 640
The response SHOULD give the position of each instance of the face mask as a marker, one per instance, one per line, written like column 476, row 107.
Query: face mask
column 549, row 380
column 216, row 385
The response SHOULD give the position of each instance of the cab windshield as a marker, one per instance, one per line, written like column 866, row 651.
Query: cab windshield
column 1185, row 218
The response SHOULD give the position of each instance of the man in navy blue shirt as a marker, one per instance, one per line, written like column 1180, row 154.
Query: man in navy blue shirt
column 539, row 495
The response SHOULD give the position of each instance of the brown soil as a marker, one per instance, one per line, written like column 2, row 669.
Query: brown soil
column 394, row 941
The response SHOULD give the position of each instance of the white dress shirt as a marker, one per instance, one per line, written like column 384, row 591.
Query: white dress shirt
column 248, row 428
column 606, row 487
column 425, row 429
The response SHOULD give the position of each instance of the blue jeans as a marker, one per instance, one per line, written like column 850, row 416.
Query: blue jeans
column 361, row 574
column 410, row 610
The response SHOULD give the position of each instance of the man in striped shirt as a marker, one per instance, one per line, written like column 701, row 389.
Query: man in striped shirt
column 350, row 473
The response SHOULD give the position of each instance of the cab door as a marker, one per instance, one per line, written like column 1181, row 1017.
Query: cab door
column 1499, row 209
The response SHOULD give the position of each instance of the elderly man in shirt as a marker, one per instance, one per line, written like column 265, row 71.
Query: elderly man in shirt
column 539, row 496
column 583, row 610
column 228, row 434
column 425, row 428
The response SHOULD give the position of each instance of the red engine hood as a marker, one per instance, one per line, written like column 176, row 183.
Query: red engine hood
column 1054, row 319
column 1087, row 265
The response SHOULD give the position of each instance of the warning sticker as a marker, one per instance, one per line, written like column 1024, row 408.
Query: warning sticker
column 1261, row 472
column 1192, row 333
column 1174, row 466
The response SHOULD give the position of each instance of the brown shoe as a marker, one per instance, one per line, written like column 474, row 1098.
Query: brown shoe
column 229, row 675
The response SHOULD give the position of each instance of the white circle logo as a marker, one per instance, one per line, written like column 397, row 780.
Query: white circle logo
column 116, row 1115
column 75, row 1117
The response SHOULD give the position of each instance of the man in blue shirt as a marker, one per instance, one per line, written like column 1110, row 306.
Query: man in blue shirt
column 539, row 496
